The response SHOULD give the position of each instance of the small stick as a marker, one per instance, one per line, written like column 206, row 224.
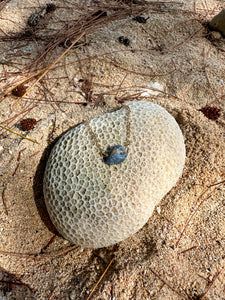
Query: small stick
column 167, row 284
column 186, row 250
column 218, row 183
column 52, row 293
column 103, row 274
column 18, row 158
column 50, row 67
column 16, row 168
column 3, row 200
column 211, row 283
column 191, row 217
column 49, row 242
column 24, row 137
column 17, row 283
column 120, row 85
column 198, row 206
column 168, row 220
column 35, row 153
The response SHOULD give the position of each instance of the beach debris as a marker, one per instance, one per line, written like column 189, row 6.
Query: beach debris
column 211, row 112
column 140, row 19
column 34, row 18
column 19, row 90
column 123, row 40
column 28, row 124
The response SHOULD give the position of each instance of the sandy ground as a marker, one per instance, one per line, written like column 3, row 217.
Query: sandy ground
column 172, row 60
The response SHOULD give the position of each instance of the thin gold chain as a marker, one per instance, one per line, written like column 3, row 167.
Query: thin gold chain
column 94, row 137
column 127, row 142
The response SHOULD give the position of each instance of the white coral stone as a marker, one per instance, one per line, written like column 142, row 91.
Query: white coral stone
column 95, row 205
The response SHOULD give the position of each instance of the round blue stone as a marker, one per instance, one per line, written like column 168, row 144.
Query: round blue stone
column 116, row 155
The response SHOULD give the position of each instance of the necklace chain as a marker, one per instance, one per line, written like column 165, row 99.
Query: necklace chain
column 127, row 142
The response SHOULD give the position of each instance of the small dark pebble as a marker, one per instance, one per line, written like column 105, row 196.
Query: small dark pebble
column 50, row 7
column 123, row 40
column 161, row 47
column 27, row 33
column 19, row 91
column 140, row 19
column 33, row 20
column 218, row 23
column 28, row 124
column 211, row 112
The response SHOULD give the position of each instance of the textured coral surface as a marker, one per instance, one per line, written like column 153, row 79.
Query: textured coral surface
column 95, row 205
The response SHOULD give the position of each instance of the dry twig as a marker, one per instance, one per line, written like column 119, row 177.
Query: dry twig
column 100, row 279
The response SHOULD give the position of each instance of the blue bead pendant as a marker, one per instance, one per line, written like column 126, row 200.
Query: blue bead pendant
column 116, row 155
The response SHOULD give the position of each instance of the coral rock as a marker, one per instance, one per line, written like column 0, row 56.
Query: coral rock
column 94, row 204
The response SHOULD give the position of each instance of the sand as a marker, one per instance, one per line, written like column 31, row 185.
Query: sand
column 172, row 60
